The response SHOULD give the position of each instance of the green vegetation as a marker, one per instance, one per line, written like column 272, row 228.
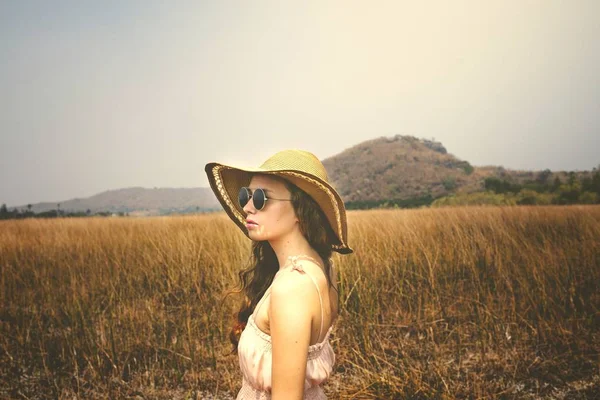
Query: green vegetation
column 123, row 212
column 22, row 214
column 449, row 183
column 465, row 166
column 477, row 198
column 541, row 191
column 393, row 203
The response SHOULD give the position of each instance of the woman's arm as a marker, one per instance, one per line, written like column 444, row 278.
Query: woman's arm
column 290, row 321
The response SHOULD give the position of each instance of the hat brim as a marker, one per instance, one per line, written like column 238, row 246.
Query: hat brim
column 226, row 181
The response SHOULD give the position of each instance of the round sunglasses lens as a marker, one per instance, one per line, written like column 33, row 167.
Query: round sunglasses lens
column 243, row 197
column 258, row 197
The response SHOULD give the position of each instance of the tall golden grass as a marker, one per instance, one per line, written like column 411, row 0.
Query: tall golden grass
column 436, row 303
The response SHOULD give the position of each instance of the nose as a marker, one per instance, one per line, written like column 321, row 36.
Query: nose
column 249, row 207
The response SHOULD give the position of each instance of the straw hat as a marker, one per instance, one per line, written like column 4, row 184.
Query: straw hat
column 299, row 167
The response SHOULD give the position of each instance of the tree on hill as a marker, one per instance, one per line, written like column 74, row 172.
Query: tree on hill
column 556, row 184
column 543, row 177
column 501, row 185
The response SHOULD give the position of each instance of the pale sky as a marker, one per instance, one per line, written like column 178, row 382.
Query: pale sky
column 111, row 94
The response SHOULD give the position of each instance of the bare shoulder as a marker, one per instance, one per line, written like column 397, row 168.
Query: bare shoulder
column 291, row 283
column 291, row 295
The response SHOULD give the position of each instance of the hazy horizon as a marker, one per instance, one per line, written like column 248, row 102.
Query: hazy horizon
column 99, row 97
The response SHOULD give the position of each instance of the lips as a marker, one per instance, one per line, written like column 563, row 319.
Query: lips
column 250, row 224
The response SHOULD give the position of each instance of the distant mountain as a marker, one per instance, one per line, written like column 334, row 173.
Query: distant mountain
column 139, row 201
column 401, row 168
column 405, row 167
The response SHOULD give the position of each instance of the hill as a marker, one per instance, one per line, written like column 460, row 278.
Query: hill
column 416, row 171
column 401, row 167
column 138, row 201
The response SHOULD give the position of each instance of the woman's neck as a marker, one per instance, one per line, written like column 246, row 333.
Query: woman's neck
column 292, row 246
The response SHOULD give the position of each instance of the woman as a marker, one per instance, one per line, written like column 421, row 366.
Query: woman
column 295, row 219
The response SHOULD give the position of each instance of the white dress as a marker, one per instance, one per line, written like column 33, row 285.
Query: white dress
column 255, row 355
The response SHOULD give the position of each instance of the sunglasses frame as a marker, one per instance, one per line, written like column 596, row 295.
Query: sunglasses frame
column 250, row 195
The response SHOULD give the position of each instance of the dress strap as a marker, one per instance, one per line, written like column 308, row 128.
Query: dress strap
column 262, row 300
column 298, row 267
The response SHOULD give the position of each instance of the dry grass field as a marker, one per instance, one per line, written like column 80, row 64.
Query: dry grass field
column 436, row 303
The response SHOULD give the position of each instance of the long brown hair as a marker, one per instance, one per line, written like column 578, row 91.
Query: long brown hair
column 256, row 279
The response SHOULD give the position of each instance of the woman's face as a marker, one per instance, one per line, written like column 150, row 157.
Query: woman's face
column 277, row 218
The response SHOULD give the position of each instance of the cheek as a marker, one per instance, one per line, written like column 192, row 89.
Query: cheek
column 281, row 222
column 286, row 222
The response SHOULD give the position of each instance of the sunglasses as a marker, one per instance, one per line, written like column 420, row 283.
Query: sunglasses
column 259, row 197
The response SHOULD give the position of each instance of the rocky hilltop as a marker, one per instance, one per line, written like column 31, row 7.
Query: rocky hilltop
column 401, row 167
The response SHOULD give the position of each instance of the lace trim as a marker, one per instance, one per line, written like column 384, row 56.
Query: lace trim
column 298, row 267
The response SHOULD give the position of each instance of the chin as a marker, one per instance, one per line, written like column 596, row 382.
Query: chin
column 256, row 236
